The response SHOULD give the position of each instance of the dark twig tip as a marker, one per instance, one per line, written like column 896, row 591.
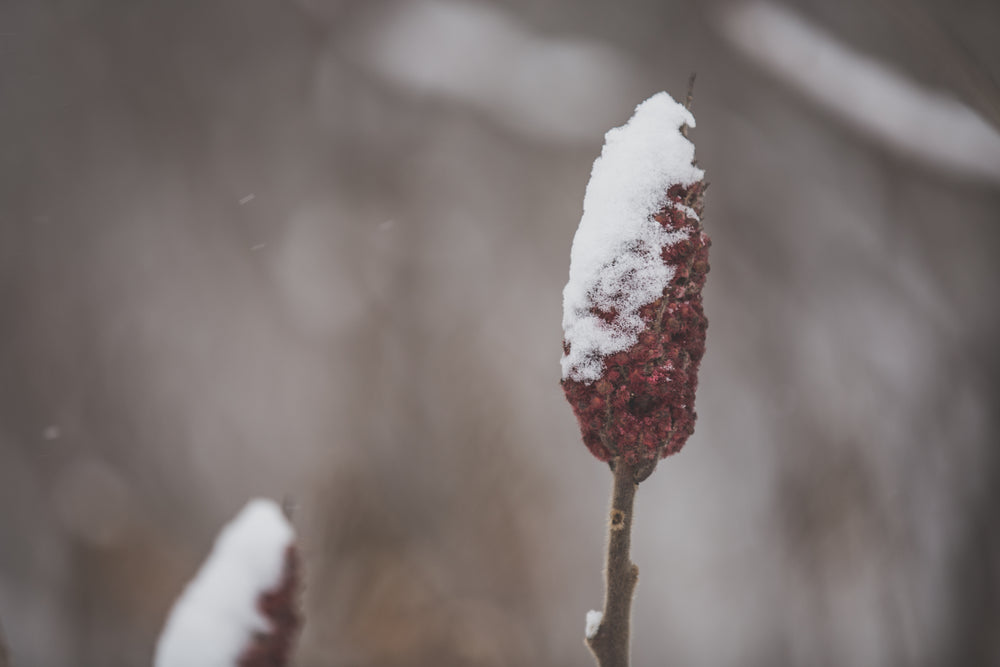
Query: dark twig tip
column 688, row 101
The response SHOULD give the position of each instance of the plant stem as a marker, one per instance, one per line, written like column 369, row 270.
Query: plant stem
column 610, row 644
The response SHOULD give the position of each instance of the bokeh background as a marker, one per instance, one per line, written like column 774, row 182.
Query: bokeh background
column 314, row 250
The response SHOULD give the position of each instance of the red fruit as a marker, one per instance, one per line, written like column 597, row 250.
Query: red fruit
column 642, row 406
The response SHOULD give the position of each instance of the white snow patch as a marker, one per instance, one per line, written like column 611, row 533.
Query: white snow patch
column 545, row 86
column 215, row 617
column 615, row 261
column 593, row 622
column 882, row 103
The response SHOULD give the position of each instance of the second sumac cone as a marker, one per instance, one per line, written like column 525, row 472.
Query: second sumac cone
column 280, row 607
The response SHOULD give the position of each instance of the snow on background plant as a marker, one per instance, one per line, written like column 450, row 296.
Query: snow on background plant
column 241, row 609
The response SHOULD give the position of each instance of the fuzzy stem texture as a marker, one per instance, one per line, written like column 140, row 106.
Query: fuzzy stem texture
column 610, row 644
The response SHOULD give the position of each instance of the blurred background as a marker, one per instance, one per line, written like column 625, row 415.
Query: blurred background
column 315, row 249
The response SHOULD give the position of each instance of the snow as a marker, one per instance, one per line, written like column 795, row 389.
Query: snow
column 542, row 85
column 593, row 622
column 618, row 244
column 881, row 103
column 216, row 615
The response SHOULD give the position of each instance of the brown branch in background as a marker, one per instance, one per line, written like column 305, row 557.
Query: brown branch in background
column 4, row 660
column 610, row 644
column 964, row 69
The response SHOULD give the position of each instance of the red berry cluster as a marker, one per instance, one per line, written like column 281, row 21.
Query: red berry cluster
column 642, row 406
